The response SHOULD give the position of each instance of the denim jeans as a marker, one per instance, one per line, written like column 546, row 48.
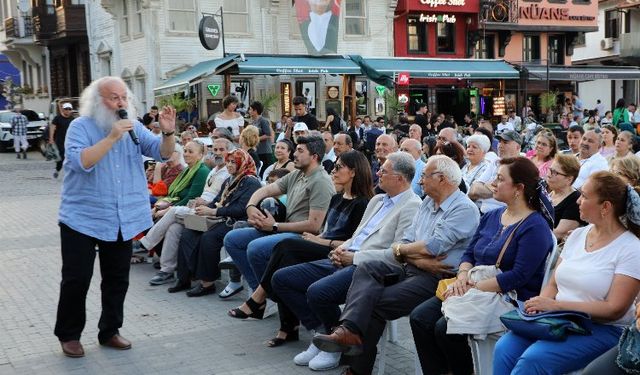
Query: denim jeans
column 517, row 355
column 251, row 250
column 314, row 291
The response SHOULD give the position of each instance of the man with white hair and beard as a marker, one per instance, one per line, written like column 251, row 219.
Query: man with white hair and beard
column 105, row 203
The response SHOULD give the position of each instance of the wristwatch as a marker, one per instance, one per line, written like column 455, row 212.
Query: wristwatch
column 168, row 134
column 274, row 229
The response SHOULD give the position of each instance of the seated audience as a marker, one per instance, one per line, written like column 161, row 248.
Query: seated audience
column 527, row 212
column 574, row 136
column 562, row 173
column 314, row 291
column 591, row 160
column 545, row 151
column 161, row 175
column 477, row 147
column 433, row 244
column 628, row 169
column 187, row 136
column 199, row 252
column 412, row 147
column 187, row 186
column 625, row 142
column 351, row 177
column 385, row 145
column 609, row 135
column 341, row 143
column 598, row 273
column 283, row 153
column 309, row 190
column 249, row 139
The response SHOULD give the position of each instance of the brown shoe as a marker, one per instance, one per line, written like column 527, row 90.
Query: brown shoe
column 341, row 340
column 72, row 348
column 117, row 342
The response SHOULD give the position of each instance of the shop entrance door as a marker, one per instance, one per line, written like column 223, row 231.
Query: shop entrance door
column 455, row 102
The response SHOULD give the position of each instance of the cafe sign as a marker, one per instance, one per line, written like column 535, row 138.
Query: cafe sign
column 441, row 6
column 209, row 32
column 437, row 3
column 437, row 18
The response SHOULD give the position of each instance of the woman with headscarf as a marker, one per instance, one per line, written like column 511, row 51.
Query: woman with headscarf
column 199, row 252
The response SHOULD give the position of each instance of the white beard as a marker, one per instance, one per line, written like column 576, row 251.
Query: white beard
column 105, row 118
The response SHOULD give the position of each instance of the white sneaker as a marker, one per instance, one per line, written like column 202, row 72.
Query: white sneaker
column 302, row 359
column 325, row 361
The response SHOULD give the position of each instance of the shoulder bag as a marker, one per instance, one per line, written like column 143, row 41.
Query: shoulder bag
column 629, row 350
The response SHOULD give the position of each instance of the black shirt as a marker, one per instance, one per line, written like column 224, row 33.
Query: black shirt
column 148, row 119
column 568, row 209
column 309, row 119
column 423, row 122
column 343, row 217
column 62, row 124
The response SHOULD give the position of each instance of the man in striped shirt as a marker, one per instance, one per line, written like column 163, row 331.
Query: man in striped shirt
column 19, row 131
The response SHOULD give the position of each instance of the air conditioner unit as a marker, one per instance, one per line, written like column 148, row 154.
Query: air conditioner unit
column 606, row 43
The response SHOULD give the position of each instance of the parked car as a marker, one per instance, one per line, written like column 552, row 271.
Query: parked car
column 35, row 129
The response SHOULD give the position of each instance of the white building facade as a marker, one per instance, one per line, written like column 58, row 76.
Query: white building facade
column 146, row 42
column 617, row 42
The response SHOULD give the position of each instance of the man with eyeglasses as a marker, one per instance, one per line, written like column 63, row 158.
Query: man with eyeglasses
column 446, row 135
column 391, row 287
column 591, row 160
column 58, row 132
column 105, row 203
column 314, row 290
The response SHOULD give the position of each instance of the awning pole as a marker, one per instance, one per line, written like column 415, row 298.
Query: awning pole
column 227, row 84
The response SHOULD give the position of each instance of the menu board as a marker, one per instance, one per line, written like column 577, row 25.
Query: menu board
column 499, row 107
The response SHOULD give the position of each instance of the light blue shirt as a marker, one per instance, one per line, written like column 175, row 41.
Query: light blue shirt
column 447, row 229
column 415, row 183
column 112, row 195
column 387, row 205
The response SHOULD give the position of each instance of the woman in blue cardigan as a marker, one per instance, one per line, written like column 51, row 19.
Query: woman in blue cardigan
column 529, row 213
column 199, row 253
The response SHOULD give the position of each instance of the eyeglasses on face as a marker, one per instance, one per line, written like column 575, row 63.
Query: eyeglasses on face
column 553, row 173
column 427, row 176
column 115, row 98
column 337, row 167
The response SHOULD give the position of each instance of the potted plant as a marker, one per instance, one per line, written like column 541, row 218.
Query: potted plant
column 270, row 103
column 547, row 104
column 392, row 106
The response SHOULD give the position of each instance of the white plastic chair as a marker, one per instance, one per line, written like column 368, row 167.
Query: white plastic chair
column 391, row 336
column 482, row 350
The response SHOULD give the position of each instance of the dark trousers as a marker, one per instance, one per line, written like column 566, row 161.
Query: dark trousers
column 78, row 256
column 286, row 253
column 605, row 364
column 314, row 291
column 381, row 291
column 60, row 146
column 438, row 352
column 199, row 254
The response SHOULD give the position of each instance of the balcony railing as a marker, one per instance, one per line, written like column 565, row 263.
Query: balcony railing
column 14, row 29
column 70, row 21
column 498, row 12
column 44, row 22
column 630, row 45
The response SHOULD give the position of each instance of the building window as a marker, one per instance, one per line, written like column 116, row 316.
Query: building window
column 124, row 19
column 485, row 48
column 355, row 17
column 105, row 64
column 236, row 16
column 138, row 17
column 294, row 26
column 556, row 49
column 182, row 15
column 612, row 23
column 417, row 36
column 446, row 36
column 141, row 91
column 531, row 48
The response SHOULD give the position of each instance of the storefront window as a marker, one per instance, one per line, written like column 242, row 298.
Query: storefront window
column 446, row 37
column 556, row 49
column 531, row 48
column 485, row 48
column 417, row 36
column 362, row 106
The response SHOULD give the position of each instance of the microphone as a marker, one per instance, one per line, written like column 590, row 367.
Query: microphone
column 123, row 116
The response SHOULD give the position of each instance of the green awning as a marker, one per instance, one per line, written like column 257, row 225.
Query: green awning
column 186, row 78
column 581, row 73
column 388, row 68
column 294, row 65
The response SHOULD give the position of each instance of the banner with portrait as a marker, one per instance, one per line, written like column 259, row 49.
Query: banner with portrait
column 319, row 21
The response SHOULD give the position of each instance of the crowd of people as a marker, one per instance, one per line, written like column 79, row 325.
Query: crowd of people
column 348, row 226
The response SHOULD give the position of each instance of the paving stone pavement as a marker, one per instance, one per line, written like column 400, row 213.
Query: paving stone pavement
column 171, row 334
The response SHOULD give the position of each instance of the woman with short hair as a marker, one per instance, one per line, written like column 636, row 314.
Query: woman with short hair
column 562, row 174
column 477, row 147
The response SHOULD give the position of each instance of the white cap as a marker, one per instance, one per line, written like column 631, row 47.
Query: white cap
column 300, row 127
column 67, row 106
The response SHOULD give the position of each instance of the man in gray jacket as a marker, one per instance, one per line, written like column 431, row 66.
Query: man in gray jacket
column 314, row 291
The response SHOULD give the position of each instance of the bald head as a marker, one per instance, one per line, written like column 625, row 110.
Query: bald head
column 412, row 147
column 341, row 144
column 447, row 135
column 385, row 144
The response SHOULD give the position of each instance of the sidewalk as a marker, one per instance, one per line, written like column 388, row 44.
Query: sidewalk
column 171, row 334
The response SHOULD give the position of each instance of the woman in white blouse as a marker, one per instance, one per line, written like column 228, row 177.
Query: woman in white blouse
column 229, row 118
column 598, row 273
column 477, row 147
